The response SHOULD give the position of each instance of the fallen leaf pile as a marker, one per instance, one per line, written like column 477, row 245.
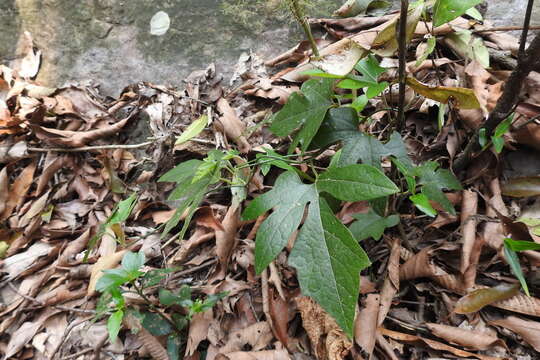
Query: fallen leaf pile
column 437, row 287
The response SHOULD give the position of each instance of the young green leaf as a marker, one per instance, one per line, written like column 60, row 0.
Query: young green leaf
column 192, row 130
column 112, row 279
column 513, row 260
column 431, row 43
column 447, row 10
column 132, row 262
column 114, row 324
column 504, row 126
column 371, row 225
column 370, row 69
column 520, row 245
column 181, row 172
column 356, row 182
column 434, row 180
column 123, row 210
column 341, row 125
column 421, row 201
column 289, row 197
column 305, row 110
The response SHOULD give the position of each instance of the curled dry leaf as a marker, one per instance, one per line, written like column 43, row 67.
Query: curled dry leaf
column 258, row 336
column 198, row 330
column 365, row 324
column 477, row 299
column 18, row 190
column 391, row 282
column 527, row 329
column 233, row 127
column 318, row 323
column 4, row 189
column 466, row 98
column 76, row 139
column 279, row 312
column 226, row 239
column 26, row 332
column 434, row 344
column 469, row 208
column 470, row 339
column 29, row 65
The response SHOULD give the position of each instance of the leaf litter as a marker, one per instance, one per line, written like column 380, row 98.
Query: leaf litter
column 437, row 286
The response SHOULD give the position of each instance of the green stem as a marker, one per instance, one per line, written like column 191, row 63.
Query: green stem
column 298, row 13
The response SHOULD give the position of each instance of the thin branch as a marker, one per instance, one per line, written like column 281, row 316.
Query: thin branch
column 90, row 148
column 298, row 13
column 525, row 32
column 505, row 28
column 402, row 38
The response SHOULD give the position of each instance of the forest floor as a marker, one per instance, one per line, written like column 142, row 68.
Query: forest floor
column 86, row 186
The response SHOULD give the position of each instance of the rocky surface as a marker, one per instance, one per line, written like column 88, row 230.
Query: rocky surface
column 108, row 41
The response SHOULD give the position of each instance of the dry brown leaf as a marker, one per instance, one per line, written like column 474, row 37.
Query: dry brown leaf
column 433, row 344
column 279, row 312
column 470, row 339
column 205, row 217
column 226, row 239
column 258, row 336
column 317, row 323
column 4, row 189
column 199, row 237
column 19, row 263
column 527, row 329
column 365, row 324
column 233, row 127
column 198, row 330
column 18, row 190
column 104, row 263
column 391, row 281
column 26, row 332
column 76, row 139
column 37, row 207
column 73, row 248
column 420, row 265
column 150, row 342
column 469, row 209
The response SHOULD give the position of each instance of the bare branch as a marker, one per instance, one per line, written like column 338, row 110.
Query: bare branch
column 402, row 38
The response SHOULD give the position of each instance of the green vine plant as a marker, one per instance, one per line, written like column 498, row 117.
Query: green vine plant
column 326, row 112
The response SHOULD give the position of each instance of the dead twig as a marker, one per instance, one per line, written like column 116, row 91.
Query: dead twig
column 505, row 28
column 525, row 31
column 402, row 39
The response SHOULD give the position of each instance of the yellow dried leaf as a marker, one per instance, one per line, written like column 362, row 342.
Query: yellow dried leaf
column 465, row 98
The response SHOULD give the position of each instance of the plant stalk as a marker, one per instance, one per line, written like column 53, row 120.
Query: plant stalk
column 298, row 13
column 402, row 39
